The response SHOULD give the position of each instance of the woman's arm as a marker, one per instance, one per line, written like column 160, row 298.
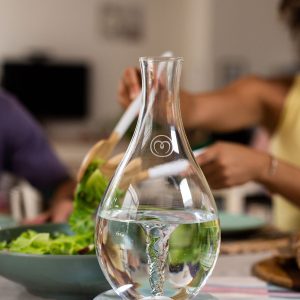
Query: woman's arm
column 283, row 180
column 247, row 102
column 229, row 164
column 29, row 155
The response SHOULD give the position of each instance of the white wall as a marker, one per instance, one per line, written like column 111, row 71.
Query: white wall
column 251, row 32
column 71, row 29
column 198, row 45
column 203, row 31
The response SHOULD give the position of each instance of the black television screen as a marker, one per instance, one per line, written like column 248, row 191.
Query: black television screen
column 49, row 90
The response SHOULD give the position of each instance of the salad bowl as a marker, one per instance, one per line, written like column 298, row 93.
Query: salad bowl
column 68, row 277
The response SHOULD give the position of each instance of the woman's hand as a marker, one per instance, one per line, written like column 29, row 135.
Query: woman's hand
column 229, row 164
column 61, row 205
column 58, row 213
column 129, row 86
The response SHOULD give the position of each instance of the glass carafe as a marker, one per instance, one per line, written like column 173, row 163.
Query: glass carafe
column 157, row 229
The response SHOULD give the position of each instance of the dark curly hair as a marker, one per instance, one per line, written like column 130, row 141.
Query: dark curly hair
column 290, row 13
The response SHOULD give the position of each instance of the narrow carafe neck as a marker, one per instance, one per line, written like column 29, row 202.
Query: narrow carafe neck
column 160, row 81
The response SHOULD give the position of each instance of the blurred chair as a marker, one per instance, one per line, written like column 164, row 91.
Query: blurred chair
column 25, row 201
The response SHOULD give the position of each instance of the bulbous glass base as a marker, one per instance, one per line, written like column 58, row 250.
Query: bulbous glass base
column 111, row 295
column 157, row 298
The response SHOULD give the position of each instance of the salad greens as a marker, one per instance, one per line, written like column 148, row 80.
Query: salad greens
column 31, row 242
column 87, row 198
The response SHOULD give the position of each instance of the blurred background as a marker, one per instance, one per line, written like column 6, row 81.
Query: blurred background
column 64, row 58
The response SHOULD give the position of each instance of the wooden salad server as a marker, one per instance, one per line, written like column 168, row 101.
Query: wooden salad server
column 103, row 148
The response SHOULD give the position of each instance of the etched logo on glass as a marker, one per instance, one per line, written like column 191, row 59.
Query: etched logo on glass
column 161, row 146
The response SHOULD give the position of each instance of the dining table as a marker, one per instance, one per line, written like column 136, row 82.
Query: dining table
column 231, row 279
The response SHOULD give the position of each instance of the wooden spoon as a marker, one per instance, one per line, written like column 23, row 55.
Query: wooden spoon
column 104, row 148
column 166, row 169
column 128, row 177
column 110, row 166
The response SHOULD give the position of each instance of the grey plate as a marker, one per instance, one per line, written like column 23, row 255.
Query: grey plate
column 239, row 223
column 6, row 221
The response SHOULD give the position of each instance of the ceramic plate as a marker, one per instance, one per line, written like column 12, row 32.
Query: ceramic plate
column 231, row 223
column 6, row 221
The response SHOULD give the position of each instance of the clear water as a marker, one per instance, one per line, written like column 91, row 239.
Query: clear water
column 157, row 253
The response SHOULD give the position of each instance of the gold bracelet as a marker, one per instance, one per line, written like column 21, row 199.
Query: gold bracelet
column 273, row 166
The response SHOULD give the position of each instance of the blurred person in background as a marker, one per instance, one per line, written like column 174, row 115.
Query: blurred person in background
column 273, row 104
column 25, row 153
